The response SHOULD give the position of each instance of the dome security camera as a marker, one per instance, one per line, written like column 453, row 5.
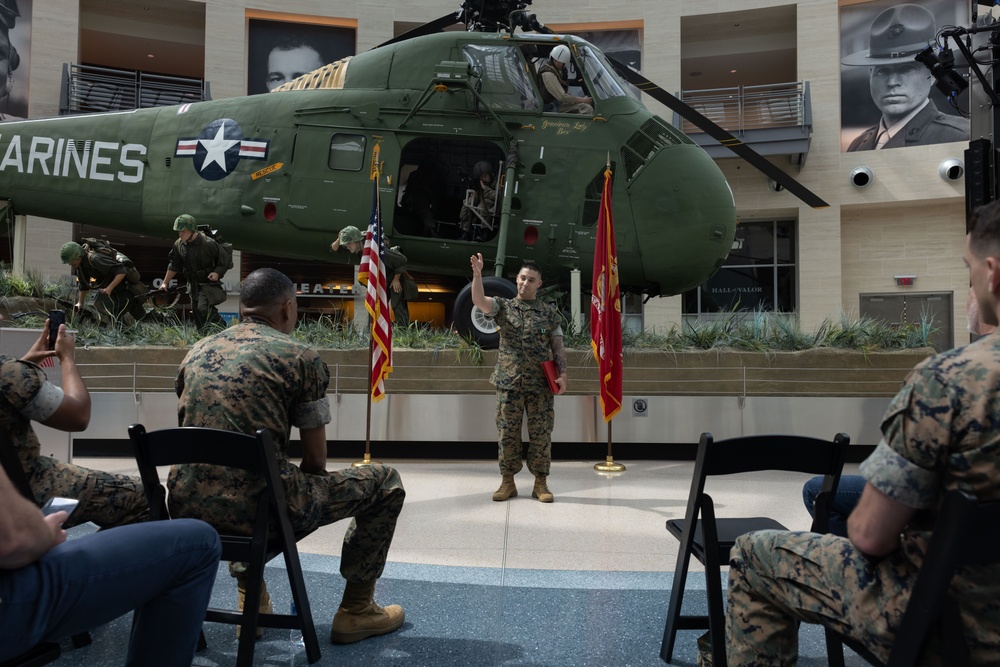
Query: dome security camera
column 774, row 186
column 951, row 169
column 862, row 177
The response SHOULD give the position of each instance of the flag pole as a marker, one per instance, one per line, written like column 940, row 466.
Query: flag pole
column 367, row 460
column 609, row 464
column 605, row 326
column 372, row 276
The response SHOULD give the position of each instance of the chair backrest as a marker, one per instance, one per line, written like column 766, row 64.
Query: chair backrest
column 12, row 466
column 756, row 453
column 966, row 533
column 188, row 444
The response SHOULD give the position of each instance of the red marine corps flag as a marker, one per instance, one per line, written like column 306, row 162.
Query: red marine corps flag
column 372, row 271
column 606, row 309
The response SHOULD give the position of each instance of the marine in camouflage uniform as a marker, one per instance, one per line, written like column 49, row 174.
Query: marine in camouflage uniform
column 940, row 433
column 198, row 257
column 252, row 376
column 530, row 333
column 105, row 498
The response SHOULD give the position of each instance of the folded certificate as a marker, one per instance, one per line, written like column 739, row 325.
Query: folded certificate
column 551, row 374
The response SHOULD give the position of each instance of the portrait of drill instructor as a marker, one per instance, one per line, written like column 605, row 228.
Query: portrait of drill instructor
column 109, row 276
column 900, row 85
column 203, row 262
column 255, row 375
column 530, row 333
column 402, row 287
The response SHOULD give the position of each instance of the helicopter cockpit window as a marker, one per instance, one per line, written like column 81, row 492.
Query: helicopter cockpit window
column 347, row 152
column 504, row 83
column 604, row 83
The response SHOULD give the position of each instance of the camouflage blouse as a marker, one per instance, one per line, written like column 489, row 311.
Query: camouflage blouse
column 25, row 395
column 526, row 332
column 942, row 432
column 247, row 377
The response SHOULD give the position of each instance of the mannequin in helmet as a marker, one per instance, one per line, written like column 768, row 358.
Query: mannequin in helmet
column 203, row 262
column 484, row 197
column 96, row 271
column 402, row 287
column 554, row 88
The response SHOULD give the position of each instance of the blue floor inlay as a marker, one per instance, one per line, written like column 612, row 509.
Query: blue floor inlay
column 467, row 617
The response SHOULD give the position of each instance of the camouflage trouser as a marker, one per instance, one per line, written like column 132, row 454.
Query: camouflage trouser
column 118, row 305
column 512, row 405
column 372, row 495
column 107, row 499
column 400, row 308
column 777, row 579
column 209, row 296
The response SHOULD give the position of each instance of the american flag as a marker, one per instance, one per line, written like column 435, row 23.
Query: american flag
column 372, row 272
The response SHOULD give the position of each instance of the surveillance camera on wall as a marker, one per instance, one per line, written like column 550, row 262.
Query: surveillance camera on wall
column 951, row 169
column 774, row 186
column 862, row 177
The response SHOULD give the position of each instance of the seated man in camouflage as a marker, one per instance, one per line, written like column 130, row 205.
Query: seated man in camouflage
column 254, row 375
column 106, row 499
column 95, row 270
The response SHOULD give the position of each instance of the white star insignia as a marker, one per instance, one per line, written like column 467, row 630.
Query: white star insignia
column 216, row 148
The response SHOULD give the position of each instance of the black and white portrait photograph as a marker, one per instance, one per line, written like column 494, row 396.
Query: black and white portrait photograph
column 15, row 50
column 279, row 51
column 889, row 99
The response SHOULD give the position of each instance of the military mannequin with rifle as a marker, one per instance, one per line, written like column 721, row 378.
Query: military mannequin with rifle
column 203, row 261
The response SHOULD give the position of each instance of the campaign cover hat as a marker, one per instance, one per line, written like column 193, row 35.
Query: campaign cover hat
column 897, row 35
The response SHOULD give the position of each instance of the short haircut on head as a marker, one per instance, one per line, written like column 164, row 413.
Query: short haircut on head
column 266, row 288
column 292, row 42
column 984, row 230
column 532, row 265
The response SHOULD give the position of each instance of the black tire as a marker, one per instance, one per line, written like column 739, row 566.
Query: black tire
column 470, row 321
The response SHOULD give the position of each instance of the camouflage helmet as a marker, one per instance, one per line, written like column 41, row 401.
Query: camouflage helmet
column 351, row 234
column 185, row 222
column 70, row 251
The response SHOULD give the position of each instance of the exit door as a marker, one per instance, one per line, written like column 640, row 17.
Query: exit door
column 911, row 309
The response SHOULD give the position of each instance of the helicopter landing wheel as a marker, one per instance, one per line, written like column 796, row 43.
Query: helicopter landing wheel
column 470, row 322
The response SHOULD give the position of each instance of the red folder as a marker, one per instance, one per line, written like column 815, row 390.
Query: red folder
column 551, row 374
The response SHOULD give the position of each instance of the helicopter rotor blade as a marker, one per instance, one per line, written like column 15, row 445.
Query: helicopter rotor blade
column 437, row 25
column 722, row 136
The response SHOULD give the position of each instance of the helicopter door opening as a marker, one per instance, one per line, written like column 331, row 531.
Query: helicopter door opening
column 436, row 177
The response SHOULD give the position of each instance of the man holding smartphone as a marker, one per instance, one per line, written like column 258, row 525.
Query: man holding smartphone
column 107, row 499
column 51, row 588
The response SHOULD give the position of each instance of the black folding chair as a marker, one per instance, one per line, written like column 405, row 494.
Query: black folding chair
column 966, row 533
column 174, row 446
column 15, row 471
column 709, row 539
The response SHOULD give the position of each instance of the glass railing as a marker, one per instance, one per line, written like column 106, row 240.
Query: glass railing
column 90, row 89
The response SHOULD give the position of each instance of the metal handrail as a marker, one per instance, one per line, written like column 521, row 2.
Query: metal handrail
column 91, row 89
column 743, row 108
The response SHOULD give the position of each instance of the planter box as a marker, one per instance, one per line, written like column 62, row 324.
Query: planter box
column 819, row 372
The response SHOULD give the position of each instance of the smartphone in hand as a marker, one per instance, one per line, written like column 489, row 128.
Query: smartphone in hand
column 56, row 317
column 59, row 504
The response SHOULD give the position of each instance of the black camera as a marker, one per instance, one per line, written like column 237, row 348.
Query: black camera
column 56, row 317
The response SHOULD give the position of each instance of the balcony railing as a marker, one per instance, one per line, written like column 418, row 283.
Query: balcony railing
column 774, row 118
column 90, row 89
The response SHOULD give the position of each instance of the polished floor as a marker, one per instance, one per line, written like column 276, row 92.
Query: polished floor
column 583, row 581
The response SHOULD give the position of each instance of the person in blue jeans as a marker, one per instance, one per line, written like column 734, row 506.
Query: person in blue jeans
column 847, row 496
column 52, row 588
